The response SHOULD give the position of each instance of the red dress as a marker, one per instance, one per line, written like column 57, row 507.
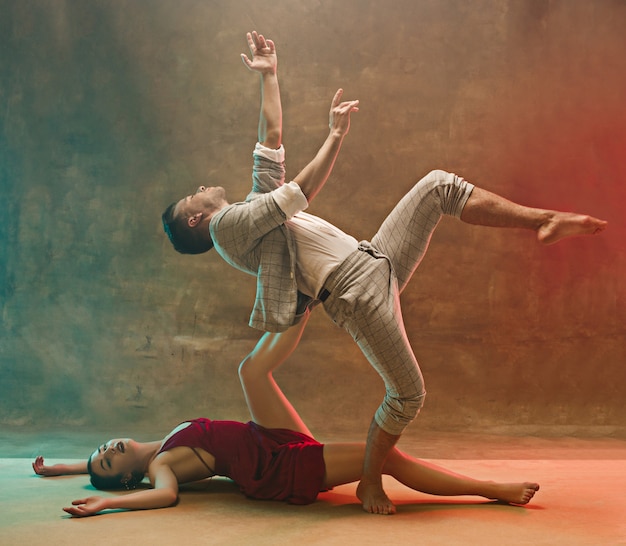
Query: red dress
column 276, row 464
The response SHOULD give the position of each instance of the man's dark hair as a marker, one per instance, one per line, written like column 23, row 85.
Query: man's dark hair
column 111, row 483
column 184, row 239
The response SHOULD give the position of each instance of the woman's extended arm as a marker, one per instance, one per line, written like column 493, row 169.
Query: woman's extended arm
column 60, row 469
column 164, row 494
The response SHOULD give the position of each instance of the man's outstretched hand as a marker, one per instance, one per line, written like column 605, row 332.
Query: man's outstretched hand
column 263, row 53
column 339, row 117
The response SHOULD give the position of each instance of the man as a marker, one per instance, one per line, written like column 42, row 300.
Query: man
column 298, row 258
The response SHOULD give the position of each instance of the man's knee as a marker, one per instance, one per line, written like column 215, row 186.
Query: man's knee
column 452, row 190
column 437, row 176
column 413, row 405
column 395, row 413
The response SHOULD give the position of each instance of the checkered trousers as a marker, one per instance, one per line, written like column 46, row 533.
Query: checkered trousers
column 365, row 291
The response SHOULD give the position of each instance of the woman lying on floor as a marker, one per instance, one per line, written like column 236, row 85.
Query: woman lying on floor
column 272, row 457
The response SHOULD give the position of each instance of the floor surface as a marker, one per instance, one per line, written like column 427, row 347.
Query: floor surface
column 581, row 501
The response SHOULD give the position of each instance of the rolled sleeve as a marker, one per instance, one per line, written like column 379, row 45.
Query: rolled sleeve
column 290, row 199
column 268, row 175
column 276, row 155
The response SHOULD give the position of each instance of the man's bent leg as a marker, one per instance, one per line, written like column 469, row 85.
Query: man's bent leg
column 378, row 329
column 488, row 209
column 363, row 298
column 405, row 234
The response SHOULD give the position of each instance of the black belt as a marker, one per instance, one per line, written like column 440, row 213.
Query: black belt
column 323, row 295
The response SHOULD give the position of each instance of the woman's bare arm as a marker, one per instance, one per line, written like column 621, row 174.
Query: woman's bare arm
column 60, row 469
column 164, row 494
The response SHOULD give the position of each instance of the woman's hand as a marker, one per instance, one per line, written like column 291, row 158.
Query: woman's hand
column 42, row 470
column 87, row 507
column 164, row 494
column 61, row 469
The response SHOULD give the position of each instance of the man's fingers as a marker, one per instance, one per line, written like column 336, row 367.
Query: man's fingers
column 349, row 105
column 258, row 44
column 245, row 60
column 337, row 97
column 261, row 43
column 254, row 42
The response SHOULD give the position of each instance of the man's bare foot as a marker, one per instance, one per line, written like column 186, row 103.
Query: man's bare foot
column 512, row 493
column 374, row 499
column 568, row 224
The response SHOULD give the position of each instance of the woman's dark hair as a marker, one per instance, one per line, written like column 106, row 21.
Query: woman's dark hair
column 111, row 483
column 184, row 239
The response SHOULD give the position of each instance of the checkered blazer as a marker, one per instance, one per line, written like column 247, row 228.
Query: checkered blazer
column 251, row 236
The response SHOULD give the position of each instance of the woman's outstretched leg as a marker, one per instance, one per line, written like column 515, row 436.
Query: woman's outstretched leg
column 267, row 404
column 344, row 461
column 435, row 480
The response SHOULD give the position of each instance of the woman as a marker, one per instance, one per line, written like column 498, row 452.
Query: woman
column 272, row 457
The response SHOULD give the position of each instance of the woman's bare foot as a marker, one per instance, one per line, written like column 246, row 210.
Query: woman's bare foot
column 374, row 499
column 512, row 493
column 568, row 224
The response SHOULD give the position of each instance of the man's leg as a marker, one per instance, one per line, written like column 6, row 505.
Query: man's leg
column 484, row 208
column 404, row 237
column 364, row 300
column 405, row 234
column 370, row 489
column 379, row 331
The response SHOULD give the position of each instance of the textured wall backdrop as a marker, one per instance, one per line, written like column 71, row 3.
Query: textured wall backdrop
column 112, row 109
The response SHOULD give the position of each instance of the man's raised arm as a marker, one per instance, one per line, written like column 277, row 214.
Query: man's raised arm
column 265, row 62
column 313, row 177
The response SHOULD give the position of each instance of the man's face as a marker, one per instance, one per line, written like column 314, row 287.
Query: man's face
column 205, row 200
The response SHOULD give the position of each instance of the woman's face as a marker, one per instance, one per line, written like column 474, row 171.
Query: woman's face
column 115, row 457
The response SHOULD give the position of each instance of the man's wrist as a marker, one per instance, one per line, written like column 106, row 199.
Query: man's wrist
column 336, row 134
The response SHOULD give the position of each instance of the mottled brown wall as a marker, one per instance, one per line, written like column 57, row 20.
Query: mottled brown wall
column 112, row 109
